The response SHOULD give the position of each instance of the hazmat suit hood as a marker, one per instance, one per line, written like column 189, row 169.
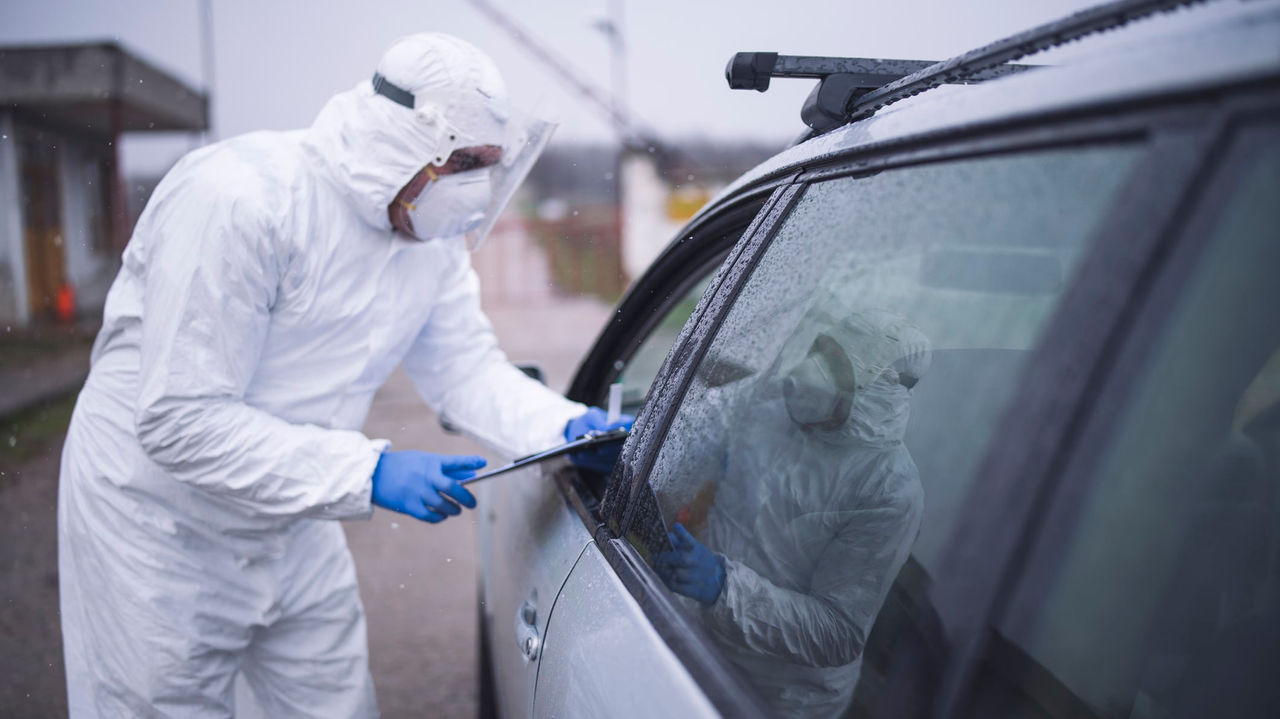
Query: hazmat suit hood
column 878, row 417
column 886, row 354
column 260, row 304
column 371, row 146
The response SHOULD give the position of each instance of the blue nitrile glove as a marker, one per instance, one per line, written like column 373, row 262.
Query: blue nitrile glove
column 420, row 484
column 594, row 419
column 690, row 568
column 600, row 459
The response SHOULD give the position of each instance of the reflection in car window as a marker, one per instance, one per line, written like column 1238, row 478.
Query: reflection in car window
column 1167, row 601
column 643, row 366
column 843, row 404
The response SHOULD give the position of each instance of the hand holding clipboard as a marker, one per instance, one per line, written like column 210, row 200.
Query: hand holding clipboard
column 586, row 442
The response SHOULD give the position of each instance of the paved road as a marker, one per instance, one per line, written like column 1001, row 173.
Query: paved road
column 417, row 580
column 31, row 677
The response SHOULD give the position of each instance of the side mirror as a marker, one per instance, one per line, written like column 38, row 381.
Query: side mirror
column 533, row 371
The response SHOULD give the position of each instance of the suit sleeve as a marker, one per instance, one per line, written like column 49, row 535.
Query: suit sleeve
column 460, row 371
column 827, row 623
column 213, row 262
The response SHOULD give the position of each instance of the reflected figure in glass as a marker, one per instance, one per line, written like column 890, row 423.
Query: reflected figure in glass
column 804, row 504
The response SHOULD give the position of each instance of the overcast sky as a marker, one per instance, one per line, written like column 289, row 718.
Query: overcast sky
column 276, row 62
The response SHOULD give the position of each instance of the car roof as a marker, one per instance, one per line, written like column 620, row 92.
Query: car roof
column 1233, row 43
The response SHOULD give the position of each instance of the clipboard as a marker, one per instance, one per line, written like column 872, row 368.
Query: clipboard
column 587, row 441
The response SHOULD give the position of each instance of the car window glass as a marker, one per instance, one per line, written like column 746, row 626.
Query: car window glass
column 1165, row 599
column 839, row 412
column 638, row 371
column 635, row 374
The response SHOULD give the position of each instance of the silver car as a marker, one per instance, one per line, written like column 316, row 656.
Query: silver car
column 966, row 405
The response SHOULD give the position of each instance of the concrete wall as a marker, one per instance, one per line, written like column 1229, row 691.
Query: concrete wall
column 646, row 229
column 13, row 266
column 90, row 264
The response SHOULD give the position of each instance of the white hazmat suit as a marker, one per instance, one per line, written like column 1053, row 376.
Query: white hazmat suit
column 263, row 299
column 812, row 522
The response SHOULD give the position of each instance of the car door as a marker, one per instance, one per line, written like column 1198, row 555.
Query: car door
column 530, row 535
column 975, row 250
column 1149, row 582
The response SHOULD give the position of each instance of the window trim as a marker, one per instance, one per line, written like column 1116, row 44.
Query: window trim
column 1060, row 505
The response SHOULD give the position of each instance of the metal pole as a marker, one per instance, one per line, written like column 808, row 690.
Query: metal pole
column 559, row 66
column 206, row 61
column 619, row 68
column 120, row 229
column 619, row 58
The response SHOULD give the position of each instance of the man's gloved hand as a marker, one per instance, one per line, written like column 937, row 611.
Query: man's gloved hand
column 420, row 484
column 690, row 568
column 594, row 419
column 600, row 459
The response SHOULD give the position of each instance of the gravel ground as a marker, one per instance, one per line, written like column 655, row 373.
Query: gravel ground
column 417, row 580
column 31, row 677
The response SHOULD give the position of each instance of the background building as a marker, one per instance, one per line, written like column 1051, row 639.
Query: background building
column 64, row 216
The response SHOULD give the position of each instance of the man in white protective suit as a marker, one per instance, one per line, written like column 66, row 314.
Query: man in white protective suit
column 271, row 285
column 811, row 508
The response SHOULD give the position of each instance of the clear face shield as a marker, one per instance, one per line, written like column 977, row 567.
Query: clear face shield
column 527, row 137
column 464, row 189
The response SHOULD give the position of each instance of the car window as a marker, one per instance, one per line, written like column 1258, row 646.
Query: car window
column 637, row 373
column 633, row 346
column 839, row 412
column 1165, row 599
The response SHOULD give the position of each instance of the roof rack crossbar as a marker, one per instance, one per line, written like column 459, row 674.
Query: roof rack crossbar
column 841, row 79
column 753, row 70
column 853, row 88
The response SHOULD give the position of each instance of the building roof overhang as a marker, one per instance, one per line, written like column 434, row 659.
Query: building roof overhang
column 96, row 89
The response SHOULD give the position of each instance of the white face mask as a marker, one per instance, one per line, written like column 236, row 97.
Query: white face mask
column 451, row 205
column 811, row 396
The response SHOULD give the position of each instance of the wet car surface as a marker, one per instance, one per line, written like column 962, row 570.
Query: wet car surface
column 1047, row 480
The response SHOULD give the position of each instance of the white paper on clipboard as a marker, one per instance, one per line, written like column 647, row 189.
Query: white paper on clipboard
column 585, row 442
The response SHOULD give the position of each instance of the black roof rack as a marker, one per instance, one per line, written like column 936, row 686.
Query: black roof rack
column 841, row 80
column 853, row 88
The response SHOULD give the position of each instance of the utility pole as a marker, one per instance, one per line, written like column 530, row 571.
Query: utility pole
column 206, row 62
column 619, row 56
column 613, row 29
column 596, row 97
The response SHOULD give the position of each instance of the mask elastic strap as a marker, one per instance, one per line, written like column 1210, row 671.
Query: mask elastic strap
column 391, row 91
column 432, row 176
